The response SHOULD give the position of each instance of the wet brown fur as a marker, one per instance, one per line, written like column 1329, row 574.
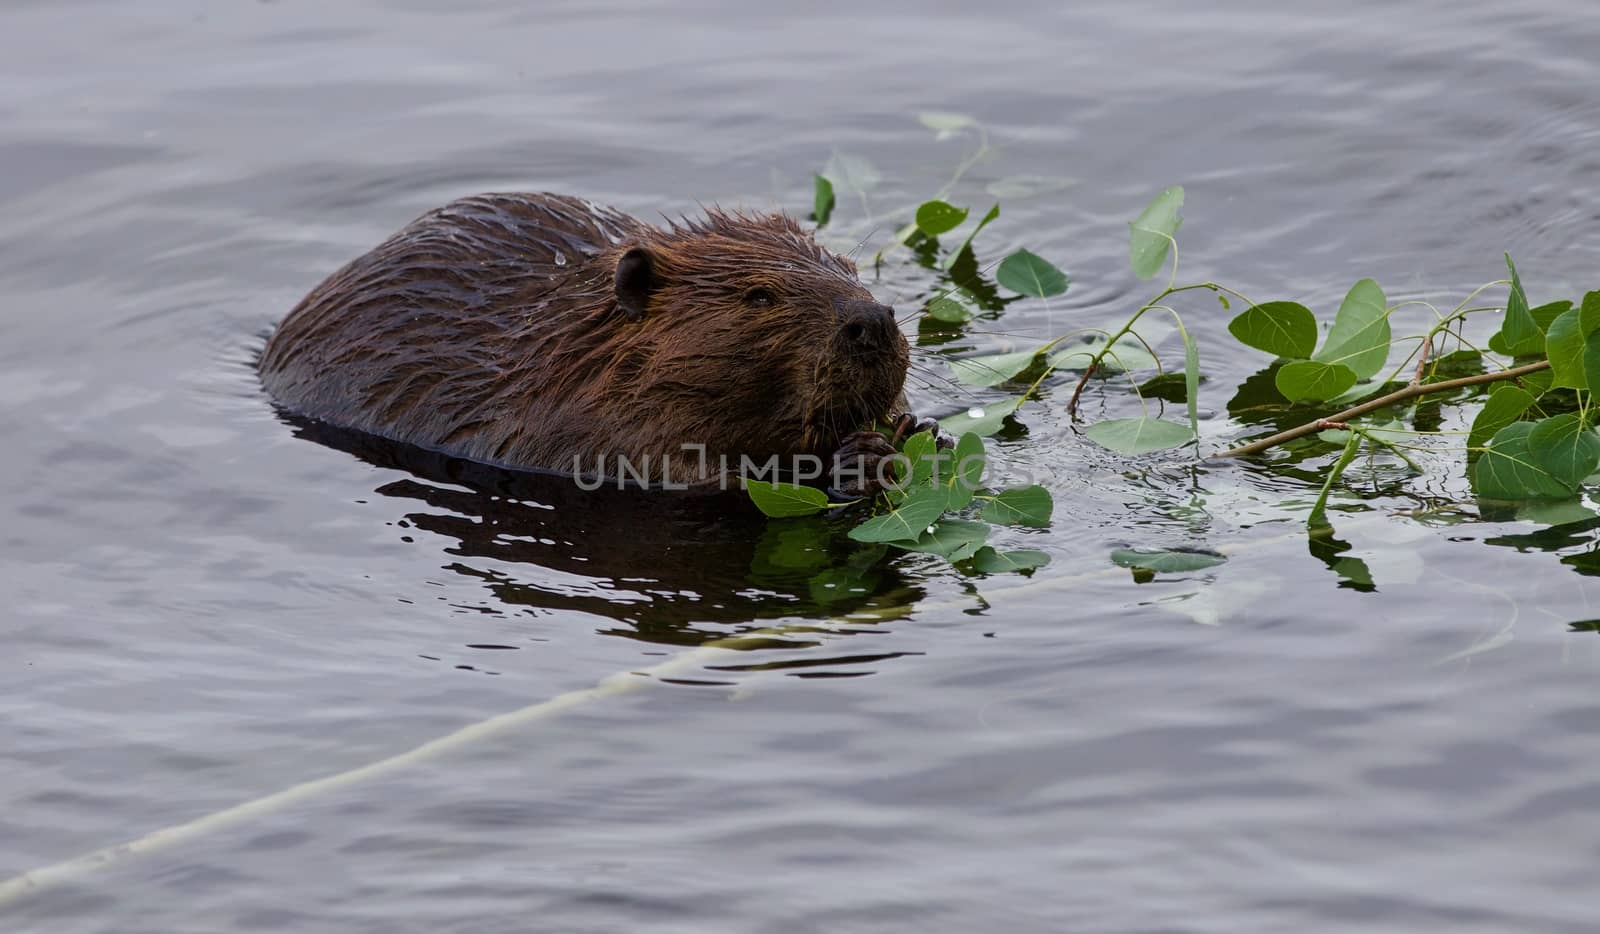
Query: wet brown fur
column 490, row 329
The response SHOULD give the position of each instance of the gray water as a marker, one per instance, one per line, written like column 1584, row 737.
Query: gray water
column 205, row 607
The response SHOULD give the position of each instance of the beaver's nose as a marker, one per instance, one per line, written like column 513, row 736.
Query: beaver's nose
column 868, row 327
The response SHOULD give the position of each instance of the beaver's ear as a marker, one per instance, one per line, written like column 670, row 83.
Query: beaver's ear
column 636, row 279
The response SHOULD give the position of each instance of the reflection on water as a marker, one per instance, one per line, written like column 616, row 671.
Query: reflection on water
column 675, row 569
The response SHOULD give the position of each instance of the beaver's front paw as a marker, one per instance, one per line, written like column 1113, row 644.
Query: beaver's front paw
column 862, row 466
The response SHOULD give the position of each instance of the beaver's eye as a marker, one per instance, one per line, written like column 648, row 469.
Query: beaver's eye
column 760, row 298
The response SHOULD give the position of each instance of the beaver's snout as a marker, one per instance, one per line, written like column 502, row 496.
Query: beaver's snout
column 868, row 328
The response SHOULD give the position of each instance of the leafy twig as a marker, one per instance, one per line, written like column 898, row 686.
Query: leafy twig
column 1400, row 395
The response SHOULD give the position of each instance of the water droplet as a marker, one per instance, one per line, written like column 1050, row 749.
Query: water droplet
column 975, row 412
column 560, row 258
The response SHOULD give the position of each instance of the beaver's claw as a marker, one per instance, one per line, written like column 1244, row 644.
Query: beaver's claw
column 862, row 465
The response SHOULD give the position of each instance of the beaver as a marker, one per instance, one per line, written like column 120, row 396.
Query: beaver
column 542, row 332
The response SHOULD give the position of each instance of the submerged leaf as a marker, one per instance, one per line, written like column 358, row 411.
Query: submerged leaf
column 1142, row 435
column 1150, row 236
column 1028, row 505
column 945, row 308
column 994, row 369
column 1191, row 381
column 945, row 122
column 989, row 561
column 981, row 420
column 1167, row 560
column 854, row 173
column 1026, row 186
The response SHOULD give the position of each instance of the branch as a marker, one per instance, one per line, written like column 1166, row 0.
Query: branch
column 1077, row 391
column 1400, row 395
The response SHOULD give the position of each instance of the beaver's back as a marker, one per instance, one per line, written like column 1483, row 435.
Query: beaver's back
column 416, row 339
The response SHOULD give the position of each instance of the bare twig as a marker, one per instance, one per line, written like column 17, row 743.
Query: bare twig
column 1072, row 406
column 1422, row 361
column 1400, row 395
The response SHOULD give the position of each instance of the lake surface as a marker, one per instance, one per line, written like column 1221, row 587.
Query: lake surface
column 205, row 607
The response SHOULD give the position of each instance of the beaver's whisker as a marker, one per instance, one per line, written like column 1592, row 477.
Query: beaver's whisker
column 863, row 242
column 931, row 377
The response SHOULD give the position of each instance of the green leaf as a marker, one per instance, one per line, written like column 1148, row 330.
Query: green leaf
column 1134, row 436
column 822, row 200
column 783, row 500
column 945, row 308
column 1589, row 312
column 1589, row 327
column 1502, row 408
column 1283, row 329
column 953, row 539
column 1320, row 508
column 965, row 473
column 1151, row 235
column 994, row 369
column 1026, row 186
column 1359, row 338
column 1314, row 380
column 938, row 217
column 951, row 257
column 989, row 561
column 1591, row 359
column 1191, row 379
column 1509, row 469
column 982, row 420
column 1564, row 346
column 907, row 522
column 1027, row 505
column 1166, row 560
column 1519, row 334
column 1565, row 448
column 920, row 450
column 1549, row 312
column 1537, row 382
column 1029, row 274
